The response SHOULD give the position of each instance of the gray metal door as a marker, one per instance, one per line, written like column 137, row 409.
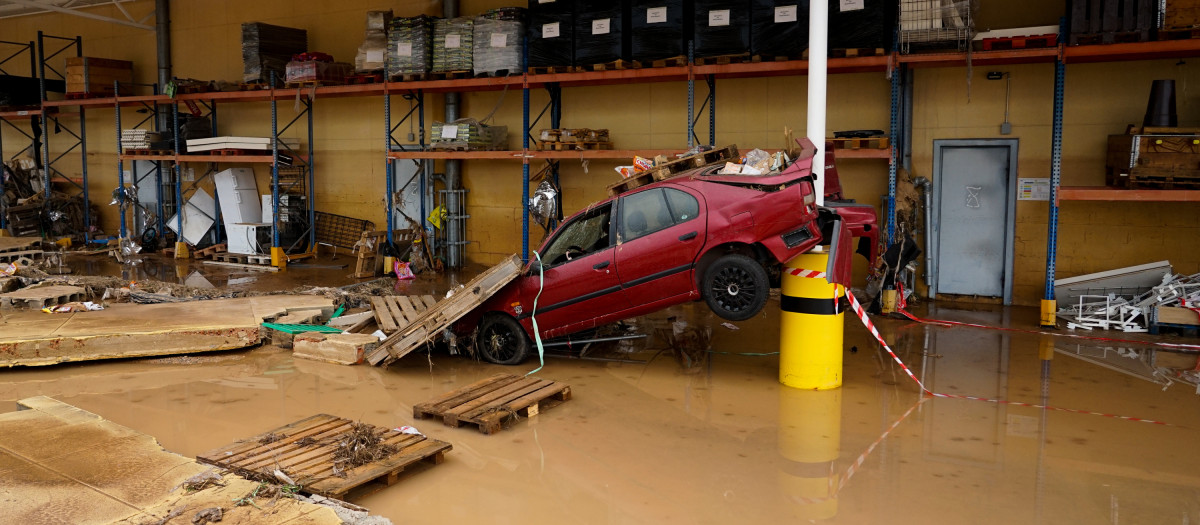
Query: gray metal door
column 975, row 202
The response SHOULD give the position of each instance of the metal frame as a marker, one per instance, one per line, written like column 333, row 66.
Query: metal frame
column 177, row 206
column 307, row 163
column 1010, row 206
column 156, row 172
column 1060, row 73
column 29, row 47
column 74, row 10
column 417, row 98
column 49, row 171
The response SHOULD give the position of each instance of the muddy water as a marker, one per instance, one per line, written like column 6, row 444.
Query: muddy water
column 719, row 440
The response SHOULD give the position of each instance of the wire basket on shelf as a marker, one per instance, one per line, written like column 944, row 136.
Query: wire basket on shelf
column 935, row 23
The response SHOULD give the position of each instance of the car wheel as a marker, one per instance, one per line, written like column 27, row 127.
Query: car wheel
column 501, row 340
column 735, row 287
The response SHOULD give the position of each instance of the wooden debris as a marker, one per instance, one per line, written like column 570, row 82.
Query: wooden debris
column 491, row 402
column 397, row 311
column 320, row 454
column 672, row 168
column 41, row 297
column 441, row 315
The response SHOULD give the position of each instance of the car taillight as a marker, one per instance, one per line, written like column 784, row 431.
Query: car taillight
column 809, row 199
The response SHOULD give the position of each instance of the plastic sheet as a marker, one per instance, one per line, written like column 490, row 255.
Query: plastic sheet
column 499, row 41
column 779, row 28
column 371, row 53
column 601, row 32
column 551, row 38
column 468, row 134
column 872, row 26
column 410, row 46
column 267, row 48
column 543, row 204
column 453, row 44
column 721, row 27
column 314, row 71
column 658, row 29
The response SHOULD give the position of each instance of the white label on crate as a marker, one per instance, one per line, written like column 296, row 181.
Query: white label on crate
column 550, row 30
column 453, row 41
column 499, row 39
column 449, row 132
column 851, row 5
column 403, row 49
column 785, row 13
column 22, row 113
column 375, row 55
column 600, row 26
column 718, row 17
column 656, row 15
column 545, row 1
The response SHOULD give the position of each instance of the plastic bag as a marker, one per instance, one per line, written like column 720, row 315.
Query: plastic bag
column 543, row 205
column 403, row 271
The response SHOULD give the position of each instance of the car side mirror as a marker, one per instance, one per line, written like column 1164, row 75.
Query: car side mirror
column 535, row 267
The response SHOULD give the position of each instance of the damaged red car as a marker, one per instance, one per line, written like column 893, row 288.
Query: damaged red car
column 696, row 236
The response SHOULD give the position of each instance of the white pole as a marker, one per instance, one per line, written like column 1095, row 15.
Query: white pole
column 818, row 50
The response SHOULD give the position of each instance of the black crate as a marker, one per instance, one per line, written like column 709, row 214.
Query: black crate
column 602, row 32
column 778, row 28
column 873, row 26
column 721, row 27
column 660, row 29
column 551, row 37
column 1110, row 21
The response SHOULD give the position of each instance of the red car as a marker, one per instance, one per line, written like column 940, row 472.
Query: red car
column 697, row 235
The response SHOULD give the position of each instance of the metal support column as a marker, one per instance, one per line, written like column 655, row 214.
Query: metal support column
column 48, row 169
column 691, row 89
column 1049, row 306
column 180, row 245
column 276, row 249
column 120, row 161
column 712, row 111
column 388, row 169
column 525, row 167
column 894, row 161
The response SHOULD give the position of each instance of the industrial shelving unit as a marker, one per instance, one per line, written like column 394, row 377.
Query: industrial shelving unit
column 10, row 118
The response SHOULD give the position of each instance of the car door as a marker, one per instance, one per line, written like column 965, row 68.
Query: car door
column 660, row 233
column 579, row 275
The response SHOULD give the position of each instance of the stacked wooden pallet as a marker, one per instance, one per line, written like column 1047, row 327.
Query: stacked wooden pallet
column 574, row 139
column 666, row 170
column 1155, row 158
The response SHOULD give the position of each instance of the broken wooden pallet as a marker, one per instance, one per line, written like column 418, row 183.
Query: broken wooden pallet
column 211, row 250
column 394, row 312
column 670, row 169
column 490, row 402
column 444, row 313
column 304, row 451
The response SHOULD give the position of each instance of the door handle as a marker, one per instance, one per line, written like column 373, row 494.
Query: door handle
column 600, row 266
column 687, row 236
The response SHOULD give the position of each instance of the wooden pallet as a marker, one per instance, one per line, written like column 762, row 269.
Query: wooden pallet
column 41, row 297
column 1182, row 33
column 670, row 169
column 203, row 253
column 19, row 244
column 81, row 95
column 491, row 402
column 240, row 258
column 499, row 73
column 1108, row 37
column 365, row 78
column 450, row 75
column 850, row 52
column 615, row 65
column 1019, row 42
column 304, row 452
column 409, row 77
column 252, row 86
column 860, row 143
column 548, row 145
column 7, row 257
column 723, row 59
column 774, row 58
column 546, row 70
column 444, row 313
column 147, row 152
column 312, row 83
column 675, row 61
column 395, row 312
column 1163, row 180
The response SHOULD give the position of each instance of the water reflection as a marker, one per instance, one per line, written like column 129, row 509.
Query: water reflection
column 810, row 435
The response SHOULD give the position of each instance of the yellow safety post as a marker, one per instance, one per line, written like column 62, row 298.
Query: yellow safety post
column 810, row 330
column 1049, row 313
column 278, row 258
column 810, row 435
column 1046, row 348
column 888, row 305
column 181, row 250
column 389, row 264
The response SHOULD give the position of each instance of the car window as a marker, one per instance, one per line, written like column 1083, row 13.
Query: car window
column 684, row 207
column 585, row 234
column 644, row 213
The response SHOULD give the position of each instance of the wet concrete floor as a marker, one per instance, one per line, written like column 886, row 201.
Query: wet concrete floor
column 720, row 440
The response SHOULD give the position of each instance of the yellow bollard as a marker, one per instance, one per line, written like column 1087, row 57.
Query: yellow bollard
column 389, row 264
column 1049, row 313
column 278, row 258
column 181, row 250
column 4, row 232
column 810, row 330
column 888, row 305
column 810, row 435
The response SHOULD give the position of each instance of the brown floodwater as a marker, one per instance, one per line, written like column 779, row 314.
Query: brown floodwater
column 652, row 437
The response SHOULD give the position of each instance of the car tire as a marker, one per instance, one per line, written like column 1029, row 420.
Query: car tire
column 501, row 340
column 735, row 287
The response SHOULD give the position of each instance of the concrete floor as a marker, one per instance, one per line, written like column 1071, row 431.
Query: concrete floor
column 721, row 441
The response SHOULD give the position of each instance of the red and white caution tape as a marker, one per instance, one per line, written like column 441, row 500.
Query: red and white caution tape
column 811, row 274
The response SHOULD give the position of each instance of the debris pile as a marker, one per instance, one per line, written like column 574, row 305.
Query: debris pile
column 1138, row 313
column 363, row 444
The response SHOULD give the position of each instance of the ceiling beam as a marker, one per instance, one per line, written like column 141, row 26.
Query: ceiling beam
column 76, row 12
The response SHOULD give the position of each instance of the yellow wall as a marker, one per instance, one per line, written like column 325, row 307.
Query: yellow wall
column 1102, row 99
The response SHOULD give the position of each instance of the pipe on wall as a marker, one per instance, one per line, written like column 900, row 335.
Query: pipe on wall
column 922, row 183
column 162, row 37
column 818, row 43
column 455, row 227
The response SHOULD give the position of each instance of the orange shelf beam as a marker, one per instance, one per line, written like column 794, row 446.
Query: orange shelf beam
column 626, row 154
column 224, row 159
column 1102, row 193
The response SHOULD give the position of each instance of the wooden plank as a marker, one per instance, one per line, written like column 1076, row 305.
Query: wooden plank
column 446, row 312
column 452, row 416
column 428, row 300
column 242, row 446
column 435, row 406
column 397, row 313
column 410, row 313
column 383, row 316
column 390, row 467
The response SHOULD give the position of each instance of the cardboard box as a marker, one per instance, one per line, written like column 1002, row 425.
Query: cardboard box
column 97, row 75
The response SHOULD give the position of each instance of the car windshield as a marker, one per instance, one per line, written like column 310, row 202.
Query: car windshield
column 586, row 234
